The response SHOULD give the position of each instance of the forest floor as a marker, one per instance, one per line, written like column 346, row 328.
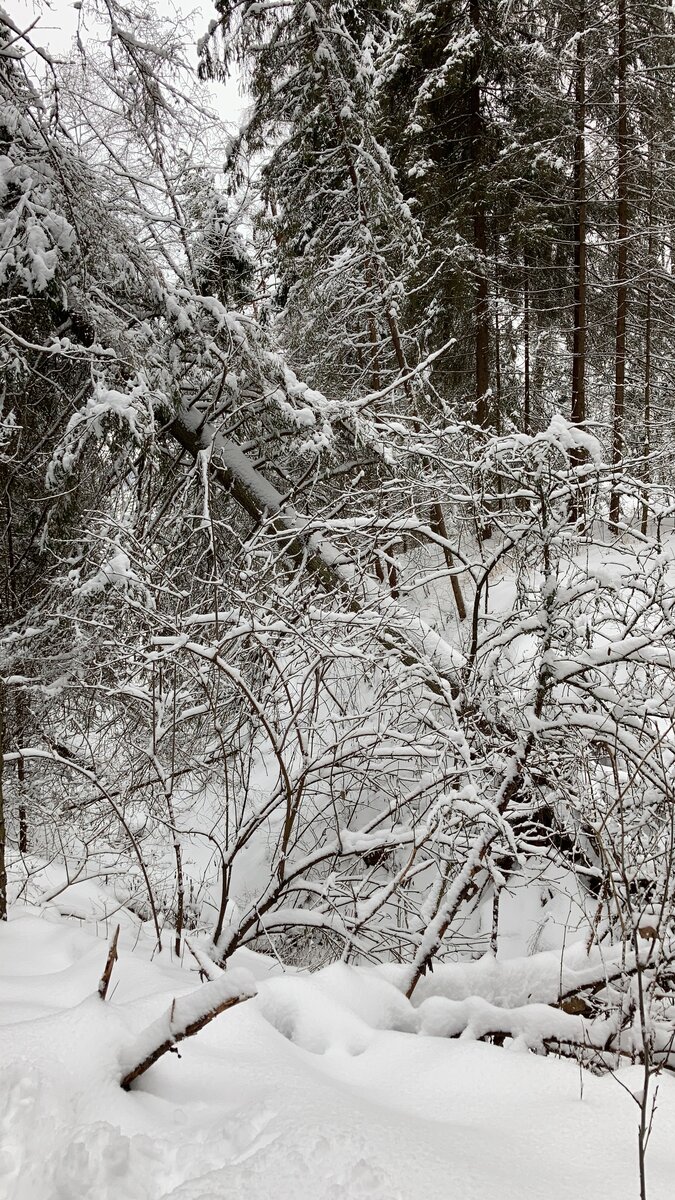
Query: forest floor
column 311, row 1089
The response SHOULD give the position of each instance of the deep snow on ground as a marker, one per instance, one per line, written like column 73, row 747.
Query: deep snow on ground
column 311, row 1090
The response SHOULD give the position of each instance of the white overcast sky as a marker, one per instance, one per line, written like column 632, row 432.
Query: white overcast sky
column 57, row 26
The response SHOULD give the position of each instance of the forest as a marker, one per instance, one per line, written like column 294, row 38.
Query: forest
column 337, row 600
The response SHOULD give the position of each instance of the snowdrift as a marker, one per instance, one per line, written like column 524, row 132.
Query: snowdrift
column 322, row 1085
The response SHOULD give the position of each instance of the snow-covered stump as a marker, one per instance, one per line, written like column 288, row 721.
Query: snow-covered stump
column 186, row 1017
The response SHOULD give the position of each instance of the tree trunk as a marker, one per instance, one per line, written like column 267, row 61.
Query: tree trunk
column 374, row 340
column 621, row 274
column 481, row 310
column 439, row 525
column 527, row 414
column 498, row 352
column 647, row 414
column 578, row 407
column 19, row 739
column 3, row 833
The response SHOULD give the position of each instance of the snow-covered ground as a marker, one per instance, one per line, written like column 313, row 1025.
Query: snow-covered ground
column 314, row 1089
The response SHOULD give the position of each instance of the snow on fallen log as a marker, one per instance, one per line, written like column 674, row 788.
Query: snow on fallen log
column 532, row 1025
column 540, row 1027
column 186, row 1017
column 543, row 978
column 303, row 543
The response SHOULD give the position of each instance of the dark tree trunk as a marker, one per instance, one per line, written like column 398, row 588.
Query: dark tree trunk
column 578, row 407
column 481, row 308
column 647, row 413
column 621, row 272
column 527, row 413
column 3, row 833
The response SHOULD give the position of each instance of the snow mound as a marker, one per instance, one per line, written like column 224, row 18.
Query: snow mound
column 321, row 1086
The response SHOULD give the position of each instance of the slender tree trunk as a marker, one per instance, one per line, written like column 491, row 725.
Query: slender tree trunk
column 20, row 739
column 12, row 610
column 527, row 414
column 374, row 339
column 374, row 353
column 494, row 933
column 439, row 526
column 23, row 817
column 498, row 374
column 177, row 849
column 498, row 352
column 578, row 407
column 392, row 574
column 391, row 578
column 647, row 415
column 622, row 273
column 3, row 832
column 481, row 308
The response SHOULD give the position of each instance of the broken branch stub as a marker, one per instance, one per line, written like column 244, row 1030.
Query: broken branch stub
column 104, row 983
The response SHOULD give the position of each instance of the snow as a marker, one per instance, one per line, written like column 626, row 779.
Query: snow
column 319, row 1087
column 570, row 437
column 116, row 572
column 175, row 1024
column 259, row 494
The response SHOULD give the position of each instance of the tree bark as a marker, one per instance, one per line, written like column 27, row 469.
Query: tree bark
column 621, row 272
column 20, row 716
column 104, row 983
column 481, row 309
column 647, row 412
column 527, row 414
column 3, row 829
column 185, row 1018
column 578, row 407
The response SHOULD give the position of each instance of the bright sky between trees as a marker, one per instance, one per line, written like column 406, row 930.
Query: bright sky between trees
column 56, row 26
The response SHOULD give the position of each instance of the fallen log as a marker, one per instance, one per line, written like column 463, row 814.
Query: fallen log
column 398, row 628
column 186, row 1016
column 542, row 1027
